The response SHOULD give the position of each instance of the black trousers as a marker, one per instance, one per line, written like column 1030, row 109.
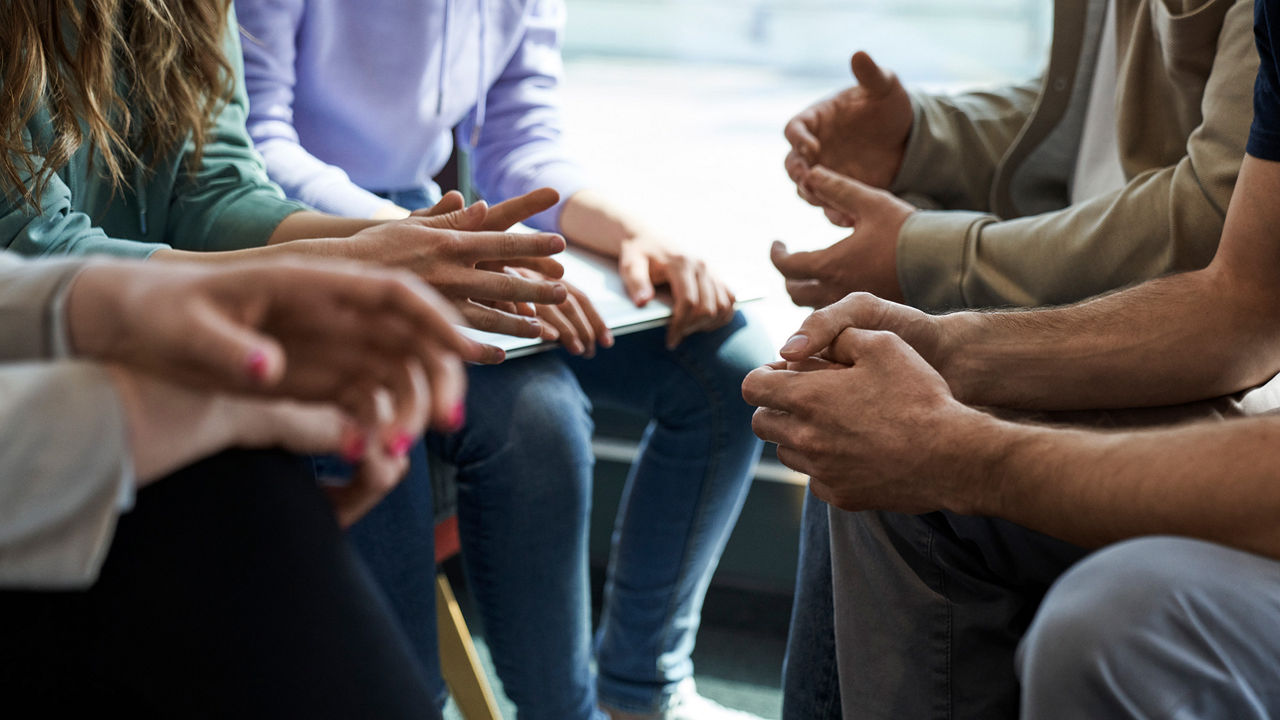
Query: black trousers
column 229, row 591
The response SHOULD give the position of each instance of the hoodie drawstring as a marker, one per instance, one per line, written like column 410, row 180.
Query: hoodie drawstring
column 482, row 85
column 444, row 59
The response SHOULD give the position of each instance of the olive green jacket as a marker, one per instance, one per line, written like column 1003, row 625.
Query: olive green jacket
column 1000, row 162
column 226, row 204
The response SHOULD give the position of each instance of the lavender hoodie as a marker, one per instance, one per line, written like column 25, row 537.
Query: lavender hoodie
column 347, row 96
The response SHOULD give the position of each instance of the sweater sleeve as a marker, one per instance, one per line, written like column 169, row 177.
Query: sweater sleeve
column 270, row 74
column 519, row 148
column 29, row 294
column 227, row 203
column 64, row 468
column 1163, row 220
column 54, row 227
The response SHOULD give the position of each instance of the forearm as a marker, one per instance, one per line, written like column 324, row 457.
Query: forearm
column 1214, row 481
column 1172, row 340
column 592, row 222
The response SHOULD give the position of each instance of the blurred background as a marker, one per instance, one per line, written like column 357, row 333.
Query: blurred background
column 676, row 107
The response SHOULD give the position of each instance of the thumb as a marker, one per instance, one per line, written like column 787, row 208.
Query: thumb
column 839, row 192
column 820, row 330
column 232, row 355
column 870, row 75
column 451, row 202
column 634, row 269
column 795, row 266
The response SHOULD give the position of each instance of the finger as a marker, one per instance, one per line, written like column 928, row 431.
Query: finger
column 820, row 329
column 797, row 169
column 409, row 391
column 774, row 426
column 467, row 219
column 633, row 266
column 231, row 355
column 494, row 321
column 870, row 75
column 724, row 305
column 799, row 462
column 448, row 385
column 840, row 193
column 509, row 247
column 544, row 266
column 553, row 315
column 685, row 291
column 798, row 265
column 376, row 476
column 708, row 312
column 598, row 325
column 572, row 309
column 770, row 387
column 798, row 133
column 451, row 202
column 509, row 212
column 484, row 285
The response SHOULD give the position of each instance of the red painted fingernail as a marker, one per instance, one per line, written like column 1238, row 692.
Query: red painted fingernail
column 353, row 451
column 256, row 364
column 399, row 446
column 458, row 417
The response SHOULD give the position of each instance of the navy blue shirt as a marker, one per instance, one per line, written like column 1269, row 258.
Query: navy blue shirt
column 1264, row 136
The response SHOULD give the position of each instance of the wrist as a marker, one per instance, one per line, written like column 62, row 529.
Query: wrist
column 974, row 454
column 956, row 334
column 94, row 309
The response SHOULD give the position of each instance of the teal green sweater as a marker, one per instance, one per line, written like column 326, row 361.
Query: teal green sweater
column 227, row 204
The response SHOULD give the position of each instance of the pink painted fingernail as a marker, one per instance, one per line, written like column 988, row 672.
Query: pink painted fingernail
column 795, row 343
column 458, row 417
column 353, row 450
column 399, row 446
column 256, row 364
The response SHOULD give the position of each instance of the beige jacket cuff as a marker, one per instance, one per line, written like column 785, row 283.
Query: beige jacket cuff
column 30, row 311
column 932, row 252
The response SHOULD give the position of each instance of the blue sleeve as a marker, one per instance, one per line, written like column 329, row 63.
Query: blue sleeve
column 519, row 147
column 1264, row 135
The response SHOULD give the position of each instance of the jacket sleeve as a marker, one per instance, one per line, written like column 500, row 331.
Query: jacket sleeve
column 958, row 141
column 65, row 473
column 30, row 305
column 227, row 203
column 519, row 148
column 270, row 75
column 1164, row 220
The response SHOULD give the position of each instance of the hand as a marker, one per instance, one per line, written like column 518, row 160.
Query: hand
column 453, row 251
column 575, row 322
column 867, row 260
column 860, row 132
column 313, row 331
column 828, row 333
column 171, row 426
column 875, row 435
column 701, row 300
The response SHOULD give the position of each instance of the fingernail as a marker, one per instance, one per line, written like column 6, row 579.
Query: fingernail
column 795, row 343
column 256, row 364
column 607, row 339
column 400, row 444
column 353, row 448
column 458, row 417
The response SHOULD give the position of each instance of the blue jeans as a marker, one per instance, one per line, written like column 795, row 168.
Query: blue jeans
column 525, row 465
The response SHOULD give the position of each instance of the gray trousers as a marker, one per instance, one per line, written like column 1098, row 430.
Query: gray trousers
column 926, row 615
column 940, row 617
